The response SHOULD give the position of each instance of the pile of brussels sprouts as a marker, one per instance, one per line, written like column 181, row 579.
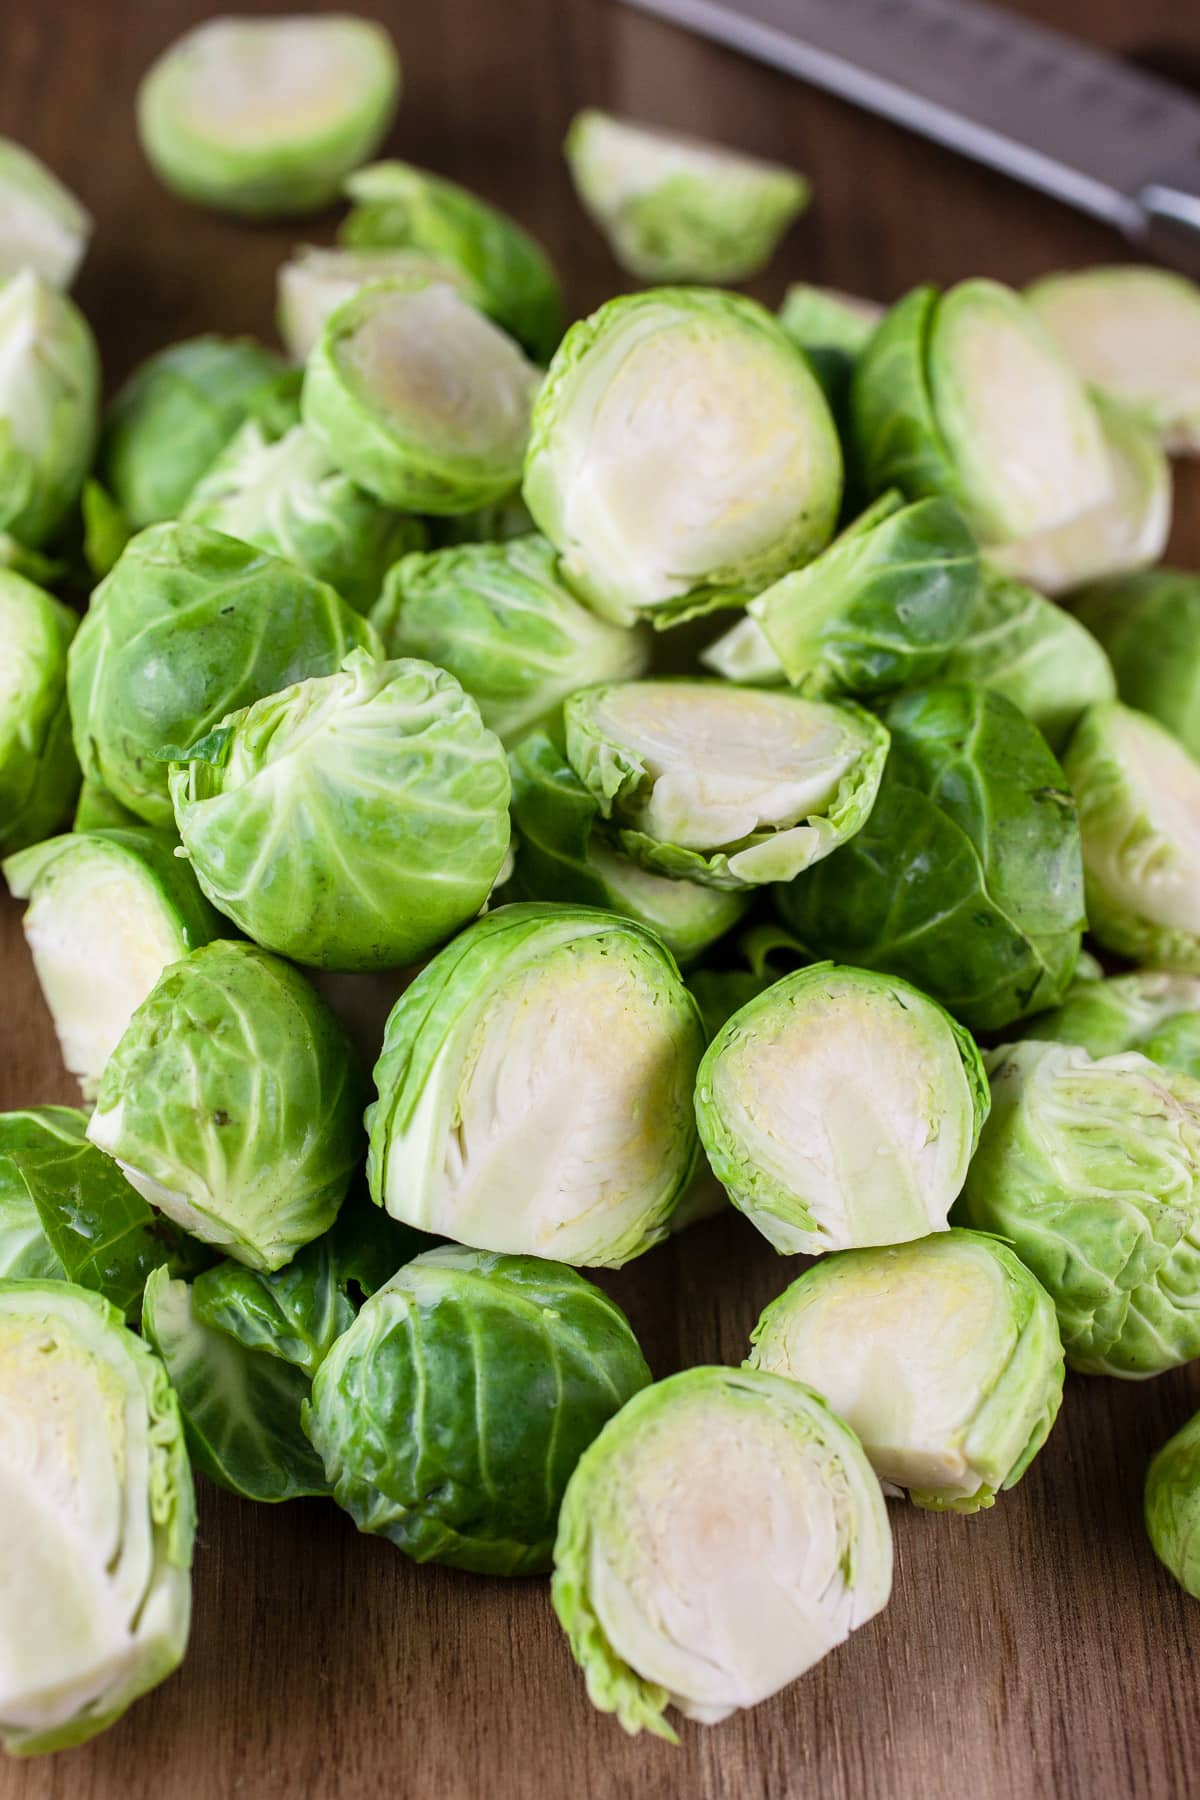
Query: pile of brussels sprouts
column 317, row 667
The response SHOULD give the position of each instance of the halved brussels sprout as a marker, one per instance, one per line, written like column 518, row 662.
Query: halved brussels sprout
column 42, row 225
column 1090, row 1169
column 1021, row 645
column 232, row 1103
column 680, row 445
column 420, row 398
column 398, row 207
column 563, row 854
column 674, row 208
column 1172, row 1506
column 1150, row 626
column 99, row 1518
column 1150, row 1010
column 452, row 1413
column 284, row 493
column 353, row 821
column 499, row 618
column 266, row 117
column 967, row 878
column 728, row 786
column 880, row 608
column 139, row 684
column 108, row 911
column 39, row 775
column 971, row 1347
column 535, row 1088
column 49, row 401
column 965, row 394
column 314, row 282
column 723, row 1534
column 1128, row 530
column 840, row 1108
column 1139, row 815
column 26, row 1253
column 1135, row 333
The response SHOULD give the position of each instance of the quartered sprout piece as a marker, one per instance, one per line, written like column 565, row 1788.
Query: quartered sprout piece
column 314, row 282
column 680, row 445
column 353, row 821
column 266, row 117
column 1151, row 1010
column 1172, row 1506
column 723, row 1534
column 39, row 775
column 99, row 1518
column 1150, row 626
column 942, row 1355
column 43, row 227
column 420, row 398
column 49, row 396
column 677, row 209
column 840, row 1108
column 1138, row 791
column 1090, row 1169
column 535, row 1088
column 729, row 786
column 108, row 911
column 452, row 1413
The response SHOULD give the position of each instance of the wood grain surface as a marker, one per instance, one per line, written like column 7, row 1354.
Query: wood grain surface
column 1036, row 1649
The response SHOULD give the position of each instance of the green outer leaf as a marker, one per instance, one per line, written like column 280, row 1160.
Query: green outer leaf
column 1150, row 626
column 190, row 626
column 395, row 206
column 899, row 441
column 1172, row 1506
column 1149, row 1010
column 452, row 1413
column 97, row 810
column 38, row 771
column 966, row 879
column 241, row 1411
column 25, row 1252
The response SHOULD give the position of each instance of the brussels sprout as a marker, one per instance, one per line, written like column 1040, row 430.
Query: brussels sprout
column 1139, row 815
column 139, row 684
column 964, row 394
column 743, row 654
column 352, row 821
column 824, row 321
column 108, row 911
column 26, row 1253
column 314, row 282
column 49, row 398
column 498, row 617
column 535, row 1088
column 106, row 530
column 451, row 1414
column 42, row 225
column 680, row 447
column 98, row 1518
column 1126, row 531
column 972, row 1352
column 728, row 786
column 96, row 810
column 286, row 495
column 39, row 775
column 174, row 416
column 1134, row 333
column 232, row 1104
column 1150, row 626
column 1090, row 1169
column 881, row 607
column 1021, row 645
column 675, row 209
column 967, row 877
column 562, row 854
column 266, row 117
column 420, row 398
column 397, row 207
column 1150, row 1010
column 1173, row 1506
column 840, row 1108
column 723, row 1534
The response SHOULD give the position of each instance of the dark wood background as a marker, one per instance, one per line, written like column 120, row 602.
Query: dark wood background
column 1036, row 1649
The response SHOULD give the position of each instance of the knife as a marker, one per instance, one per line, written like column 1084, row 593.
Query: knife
column 1053, row 112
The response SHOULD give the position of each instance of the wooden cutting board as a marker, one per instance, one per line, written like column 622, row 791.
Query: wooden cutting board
column 1036, row 1649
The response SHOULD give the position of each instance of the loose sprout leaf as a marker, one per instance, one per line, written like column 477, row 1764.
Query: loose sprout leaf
column 1149, row 624
column 26, row 1253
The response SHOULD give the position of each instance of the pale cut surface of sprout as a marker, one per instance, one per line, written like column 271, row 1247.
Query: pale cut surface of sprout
column 840, row 1108
column 943, row 1356
column 314, row 282
column 42, row 225
column 722, row 1535
column 1135, row 333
